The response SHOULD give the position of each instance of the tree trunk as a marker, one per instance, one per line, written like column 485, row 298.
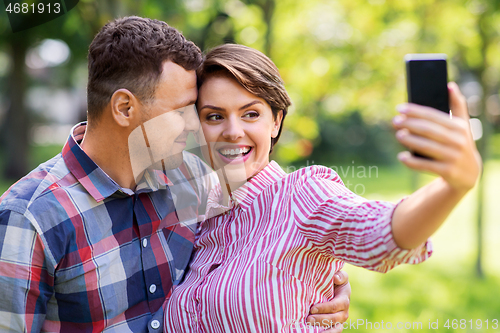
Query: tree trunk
column 16, row 126
column 482, row 146
column 484, row 142
column 268, row 9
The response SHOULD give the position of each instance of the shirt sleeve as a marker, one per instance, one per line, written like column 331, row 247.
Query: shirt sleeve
column 26, row 285
column 350, row 227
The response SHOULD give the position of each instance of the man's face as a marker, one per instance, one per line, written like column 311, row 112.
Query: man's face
column 167, row 120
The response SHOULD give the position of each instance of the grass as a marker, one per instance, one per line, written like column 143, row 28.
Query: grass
column 445, row 287
column 426, row 293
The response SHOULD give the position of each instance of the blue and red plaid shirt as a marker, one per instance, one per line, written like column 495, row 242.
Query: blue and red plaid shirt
column 79, row 253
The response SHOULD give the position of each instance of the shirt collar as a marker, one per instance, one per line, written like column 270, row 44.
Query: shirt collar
column 246, row 194
column 93, row 179
column 154, row 178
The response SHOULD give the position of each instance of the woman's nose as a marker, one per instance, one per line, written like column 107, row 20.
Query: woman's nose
column 233, row 129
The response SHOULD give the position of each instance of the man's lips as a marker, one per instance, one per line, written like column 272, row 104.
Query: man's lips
column 181, row 140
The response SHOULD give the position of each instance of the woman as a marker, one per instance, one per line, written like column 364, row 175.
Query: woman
column 275, row 240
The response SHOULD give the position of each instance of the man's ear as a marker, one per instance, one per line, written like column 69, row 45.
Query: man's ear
column 124, row 107
column 277, row 124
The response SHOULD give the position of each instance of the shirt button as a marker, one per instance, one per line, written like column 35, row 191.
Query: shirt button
column 152, row 288
column 144, row 242
column 155, row 324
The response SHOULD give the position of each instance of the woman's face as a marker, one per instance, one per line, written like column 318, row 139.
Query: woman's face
column 238, row 127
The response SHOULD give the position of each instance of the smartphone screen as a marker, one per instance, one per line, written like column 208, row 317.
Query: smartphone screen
column 427, row 80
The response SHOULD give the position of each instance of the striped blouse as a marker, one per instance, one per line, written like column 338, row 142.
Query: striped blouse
column 262, row 264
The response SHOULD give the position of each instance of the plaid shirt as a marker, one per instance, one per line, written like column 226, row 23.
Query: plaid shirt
column 78, row 253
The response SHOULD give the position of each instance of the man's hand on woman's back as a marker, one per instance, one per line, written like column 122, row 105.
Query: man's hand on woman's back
column 333, row 314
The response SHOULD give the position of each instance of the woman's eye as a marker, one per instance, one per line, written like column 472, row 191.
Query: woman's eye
column 214, row 117
column 251, row 114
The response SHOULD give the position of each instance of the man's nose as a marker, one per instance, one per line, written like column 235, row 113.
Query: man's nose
column 233, row 129
column 192, row 122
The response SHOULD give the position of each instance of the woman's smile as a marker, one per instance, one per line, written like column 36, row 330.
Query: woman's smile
column 234, row 153
column 238, row 127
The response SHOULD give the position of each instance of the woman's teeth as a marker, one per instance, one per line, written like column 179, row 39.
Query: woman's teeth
column 234, row 153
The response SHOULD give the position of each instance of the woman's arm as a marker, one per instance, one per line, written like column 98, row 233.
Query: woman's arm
column 448, row 141
column 347, row 226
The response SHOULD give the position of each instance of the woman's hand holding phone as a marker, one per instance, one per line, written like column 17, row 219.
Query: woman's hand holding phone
column 446, row 140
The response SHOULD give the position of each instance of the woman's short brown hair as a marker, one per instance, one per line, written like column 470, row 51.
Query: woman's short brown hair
column 253, row 70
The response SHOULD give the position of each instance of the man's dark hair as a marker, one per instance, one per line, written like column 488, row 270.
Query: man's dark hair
column 128, row 53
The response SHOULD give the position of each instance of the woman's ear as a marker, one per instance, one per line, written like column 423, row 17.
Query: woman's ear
column 124, row 107
column 277, row 124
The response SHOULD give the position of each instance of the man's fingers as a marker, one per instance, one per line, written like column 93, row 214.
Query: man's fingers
column 331, row 324
column 458, row 103
column 337, row 310
column 328, row 320
column 340, row 278
column 339, row 304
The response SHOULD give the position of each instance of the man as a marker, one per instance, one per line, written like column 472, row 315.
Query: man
column 90, row 240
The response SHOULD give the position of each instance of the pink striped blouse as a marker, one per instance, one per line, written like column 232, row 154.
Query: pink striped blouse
column 261, row 265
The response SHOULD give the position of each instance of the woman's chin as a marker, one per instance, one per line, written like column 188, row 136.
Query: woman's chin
column 233, row 175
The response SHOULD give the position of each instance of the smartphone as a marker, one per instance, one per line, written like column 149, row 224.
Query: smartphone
column 427, row 81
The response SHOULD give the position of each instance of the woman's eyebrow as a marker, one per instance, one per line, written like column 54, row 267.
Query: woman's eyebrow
column 208, row 106
column 250, row 104
column 218, row 108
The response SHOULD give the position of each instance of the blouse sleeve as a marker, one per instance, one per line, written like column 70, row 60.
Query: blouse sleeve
column 348, row 226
